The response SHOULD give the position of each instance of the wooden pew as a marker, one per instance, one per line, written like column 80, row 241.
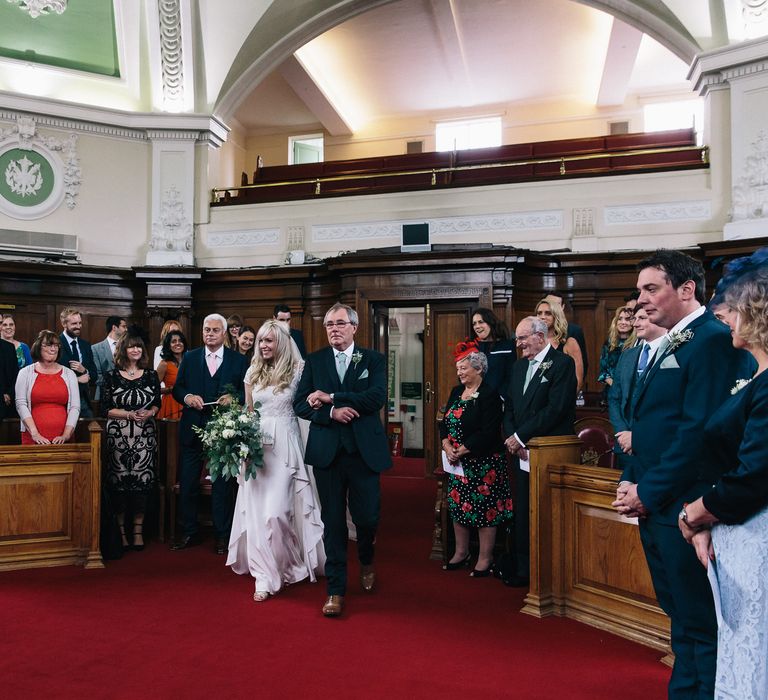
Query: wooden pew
column 587, row 562
column 50, row 504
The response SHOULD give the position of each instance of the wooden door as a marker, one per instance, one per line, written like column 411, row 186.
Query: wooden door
column 380, row 336
column 445, row 324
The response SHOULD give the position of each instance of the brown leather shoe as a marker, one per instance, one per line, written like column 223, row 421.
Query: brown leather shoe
column 333, row 606
column 367, row 578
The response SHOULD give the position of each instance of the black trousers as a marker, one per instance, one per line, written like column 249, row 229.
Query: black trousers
column 347, row 480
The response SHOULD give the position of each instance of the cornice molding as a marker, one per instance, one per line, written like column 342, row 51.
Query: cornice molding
column 654, row 213
column 711, row 68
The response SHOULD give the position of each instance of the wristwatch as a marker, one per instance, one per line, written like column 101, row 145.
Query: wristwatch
column 331, row 395
column 683, row 515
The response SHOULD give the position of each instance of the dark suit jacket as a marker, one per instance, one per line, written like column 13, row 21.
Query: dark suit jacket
column 364, row 389
column 86, row 357
column 677, row 396
column 480, row 421
column 575, row 332
column 191, row 380
column 620, row 392
column 9, row 370
column 548, row 407
column 104, row 361
column 298, row 338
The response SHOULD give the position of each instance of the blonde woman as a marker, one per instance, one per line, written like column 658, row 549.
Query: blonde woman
column 552, row 314
column 620, row 337
column 277, row 533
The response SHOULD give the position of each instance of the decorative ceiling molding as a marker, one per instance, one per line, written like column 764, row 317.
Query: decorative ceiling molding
column 171, row 57
column 700, row 210
column 36, row 8
column 243, row 239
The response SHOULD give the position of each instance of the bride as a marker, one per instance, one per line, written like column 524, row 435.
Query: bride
column 277, row 533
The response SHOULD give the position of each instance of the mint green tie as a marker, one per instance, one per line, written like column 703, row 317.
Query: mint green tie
column 529, row 374
column 341, row 365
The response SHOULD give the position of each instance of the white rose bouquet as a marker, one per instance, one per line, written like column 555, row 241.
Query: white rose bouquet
column 232, row 438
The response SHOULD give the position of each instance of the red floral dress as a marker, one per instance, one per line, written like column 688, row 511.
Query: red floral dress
column 481, row 497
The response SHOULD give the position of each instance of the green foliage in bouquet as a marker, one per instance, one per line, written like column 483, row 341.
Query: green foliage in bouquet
column 232, row 437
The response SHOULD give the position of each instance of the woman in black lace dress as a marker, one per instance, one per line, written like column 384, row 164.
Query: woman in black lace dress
column 130, row 400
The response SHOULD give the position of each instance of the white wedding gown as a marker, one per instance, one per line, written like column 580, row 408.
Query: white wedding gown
column 277, row 533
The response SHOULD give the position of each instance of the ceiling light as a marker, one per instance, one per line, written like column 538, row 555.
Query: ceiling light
column 35, row 8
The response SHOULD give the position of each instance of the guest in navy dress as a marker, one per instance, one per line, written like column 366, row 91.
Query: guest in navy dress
column 494, row 341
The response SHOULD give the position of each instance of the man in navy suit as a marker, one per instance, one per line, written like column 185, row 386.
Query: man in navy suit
column 342, row 389
column 540, row 400
column 77, row 354
column 690, row 376
column 283, row 313
column 206, row 376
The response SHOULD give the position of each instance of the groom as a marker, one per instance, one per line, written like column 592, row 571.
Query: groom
column 342, row 390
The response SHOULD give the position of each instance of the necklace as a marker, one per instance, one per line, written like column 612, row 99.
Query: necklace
column 131, row 372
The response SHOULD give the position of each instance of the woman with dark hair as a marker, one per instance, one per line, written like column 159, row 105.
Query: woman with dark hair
column 130, row 400
column 174, row 347
column 478, row 493
column 494, row 341
column 168, row 326
column 728, row 525
column 246, row 339
column 47, row 395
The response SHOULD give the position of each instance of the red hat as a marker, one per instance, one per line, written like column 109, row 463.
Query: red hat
column 464, row 348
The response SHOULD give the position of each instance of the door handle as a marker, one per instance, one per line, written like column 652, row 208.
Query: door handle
column 428, row 392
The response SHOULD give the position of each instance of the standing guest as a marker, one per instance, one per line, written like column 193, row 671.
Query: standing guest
column 342, row 390
column 691, row 376
column 277, row 531
column 206, row 377
column 171, row 355
column 245, row 342
column 620, row 337
column 492, row 339
column 168, row 326
column 76, row 354
column 283, row 313
column 479, row 496
column 541, row 401
column 736, row 507
column 47, row 395
column 7, row 332
column 574, row 331
column 104, row 352
column 9, row 370
column 130, row 401
column 234, row 324
column 557, row 336
column 626, row 380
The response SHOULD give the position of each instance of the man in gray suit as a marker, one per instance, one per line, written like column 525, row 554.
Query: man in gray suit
column 104, row 352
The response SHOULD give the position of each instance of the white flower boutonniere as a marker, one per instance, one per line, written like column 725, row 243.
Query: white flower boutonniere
column 678, row 338
column 356, row 357
column 544, row 366
column 740, row 384
column 475, row 395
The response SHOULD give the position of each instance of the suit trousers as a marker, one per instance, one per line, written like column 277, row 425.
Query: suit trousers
column 347, row 479
column 683, row 592
column 522, row 526
column 222, row 505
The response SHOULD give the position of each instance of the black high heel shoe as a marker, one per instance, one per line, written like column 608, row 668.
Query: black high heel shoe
column 138, row 530
column 481, row 573
column 463, row 564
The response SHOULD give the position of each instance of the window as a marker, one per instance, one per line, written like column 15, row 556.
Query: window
column 684, row 114
column 305, row 149
column 471, row 133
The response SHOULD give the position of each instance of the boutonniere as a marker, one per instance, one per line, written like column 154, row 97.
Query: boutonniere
column 475, row 395
column 356, row 357
column 544, row 366
column 677, row 339
column 740, row 384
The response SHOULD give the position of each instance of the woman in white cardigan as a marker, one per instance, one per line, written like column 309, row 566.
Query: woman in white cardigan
column 47, row 395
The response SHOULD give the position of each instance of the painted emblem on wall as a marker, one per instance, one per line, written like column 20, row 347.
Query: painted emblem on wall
column 34, row 178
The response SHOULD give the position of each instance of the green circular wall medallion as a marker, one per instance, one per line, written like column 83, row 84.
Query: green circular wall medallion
column 26, row 177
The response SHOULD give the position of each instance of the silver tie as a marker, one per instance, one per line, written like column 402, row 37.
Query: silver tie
column 341, row 365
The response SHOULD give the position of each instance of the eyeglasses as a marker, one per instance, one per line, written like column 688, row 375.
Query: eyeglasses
column 338, row 324
column 523, row 338
column 50, row 345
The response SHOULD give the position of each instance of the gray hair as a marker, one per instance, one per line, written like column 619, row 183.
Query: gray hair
column 216, row 317
column 338, row 306
column 536, row 325
column 477, row 360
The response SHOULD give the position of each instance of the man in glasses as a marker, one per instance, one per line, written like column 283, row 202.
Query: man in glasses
column 342, row 389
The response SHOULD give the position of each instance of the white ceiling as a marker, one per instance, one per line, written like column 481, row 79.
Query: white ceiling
column 416, row 57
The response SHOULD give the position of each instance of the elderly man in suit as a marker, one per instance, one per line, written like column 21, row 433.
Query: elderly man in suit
column 540, row 401
column 206, row 376
column 76, row 353
column 626, row 380
column 104, row 352
column 691, row 375
column 342, row 389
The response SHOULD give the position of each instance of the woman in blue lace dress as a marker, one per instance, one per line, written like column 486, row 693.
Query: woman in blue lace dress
column 736, row 507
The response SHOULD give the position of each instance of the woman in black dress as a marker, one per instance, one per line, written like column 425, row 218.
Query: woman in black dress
column 130, row 400
column 478, row 496
column 494, row 341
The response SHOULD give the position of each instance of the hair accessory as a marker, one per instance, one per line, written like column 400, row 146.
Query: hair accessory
column 735, row 270
column 464, row 348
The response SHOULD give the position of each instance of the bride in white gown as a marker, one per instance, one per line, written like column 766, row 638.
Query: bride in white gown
column 277, row 533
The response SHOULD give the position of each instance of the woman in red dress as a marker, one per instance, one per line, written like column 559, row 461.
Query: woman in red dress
column 47, row 396
column 174, row 347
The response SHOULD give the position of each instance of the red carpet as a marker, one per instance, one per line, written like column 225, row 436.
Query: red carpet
column 179, row 624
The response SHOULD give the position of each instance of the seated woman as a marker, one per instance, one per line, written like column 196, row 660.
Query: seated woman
column 174, row 347
column 7, row 332
column 130, row 400
column 552, row 314
column 493, row 340
column 478, row 496
column 47, row 395
column 620, row 337
column 245, row 342
column 736, row 506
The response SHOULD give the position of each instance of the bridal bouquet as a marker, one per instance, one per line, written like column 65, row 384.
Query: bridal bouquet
column 232, row 438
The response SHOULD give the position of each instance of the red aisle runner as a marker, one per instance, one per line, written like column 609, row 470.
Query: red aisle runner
column 180, row 624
